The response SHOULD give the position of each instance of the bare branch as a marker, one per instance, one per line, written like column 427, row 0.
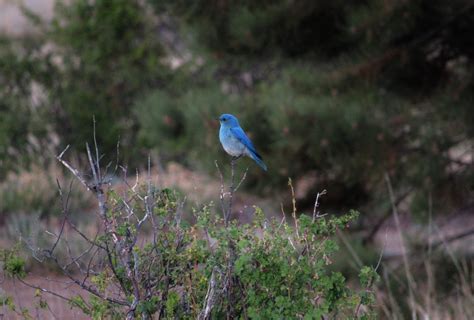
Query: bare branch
column 242, row 179
column 74, row 171
column 44, row 290
column 221, row 193
column 410, row 282
column 97, row 157
column 293, row 201
column 212, row 296
column 65, row 204
column 316, row 205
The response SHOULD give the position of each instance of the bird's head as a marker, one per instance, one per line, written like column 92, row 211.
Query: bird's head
column 228, row 120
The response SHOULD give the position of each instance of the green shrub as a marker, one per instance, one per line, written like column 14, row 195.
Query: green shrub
column 22, row 126
column 268, row 269
column 12, row 263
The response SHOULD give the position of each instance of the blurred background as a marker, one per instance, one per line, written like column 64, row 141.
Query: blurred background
column 352, row 97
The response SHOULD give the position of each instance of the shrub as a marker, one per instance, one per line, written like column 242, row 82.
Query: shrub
column 148, row 260
column 109, row 53
column 93, row 59
column 23, row 131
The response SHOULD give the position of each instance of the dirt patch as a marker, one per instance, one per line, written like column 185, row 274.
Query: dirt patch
column 24, row 297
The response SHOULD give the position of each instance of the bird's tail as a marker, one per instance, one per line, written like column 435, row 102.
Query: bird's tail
column 258, row 159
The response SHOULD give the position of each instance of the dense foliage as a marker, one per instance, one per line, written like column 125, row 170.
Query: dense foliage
column 93, row 59
column 344, row 92
column 340, row 93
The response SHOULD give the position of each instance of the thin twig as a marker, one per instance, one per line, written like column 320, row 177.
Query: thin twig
column 231, row 191
column 370, row 283
column 93, row 167
column 293, row 213
column 242, row 179
column 212, row 296
column 376, row 227
column 316, row 205
column 410, row 282
column 74, row 171
column 97, row 157
column 283, row 219
column 349, row 247
column 64, row 212
column 221, row 193
column 44, row 290
column 117, row 158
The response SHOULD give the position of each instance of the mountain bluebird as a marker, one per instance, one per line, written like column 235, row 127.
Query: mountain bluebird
column 235, row 141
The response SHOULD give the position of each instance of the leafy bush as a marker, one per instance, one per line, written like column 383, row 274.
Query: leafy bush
column 109, row 53
column 147, row 260
column 12, row 264
column 23, row 131
column 92, row 59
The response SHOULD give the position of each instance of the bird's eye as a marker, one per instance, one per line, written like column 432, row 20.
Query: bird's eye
column 224, row 119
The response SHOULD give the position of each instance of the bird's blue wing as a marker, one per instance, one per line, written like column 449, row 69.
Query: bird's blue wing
column 242, row 137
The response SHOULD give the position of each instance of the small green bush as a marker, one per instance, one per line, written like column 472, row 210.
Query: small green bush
column 267, row 269
column 12, row 263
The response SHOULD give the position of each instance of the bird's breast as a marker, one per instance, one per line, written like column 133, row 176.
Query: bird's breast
column 230, row 143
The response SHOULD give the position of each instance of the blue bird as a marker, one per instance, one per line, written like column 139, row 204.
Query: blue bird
column 235, row 142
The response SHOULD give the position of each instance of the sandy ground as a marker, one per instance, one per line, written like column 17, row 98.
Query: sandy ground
column 24, row 297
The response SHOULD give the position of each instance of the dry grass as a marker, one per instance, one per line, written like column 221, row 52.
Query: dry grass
column 35, row 192
column 428, row 302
